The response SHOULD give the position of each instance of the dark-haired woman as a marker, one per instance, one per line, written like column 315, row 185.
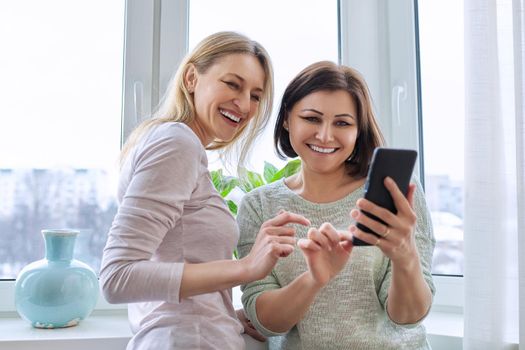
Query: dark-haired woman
column 329, row 294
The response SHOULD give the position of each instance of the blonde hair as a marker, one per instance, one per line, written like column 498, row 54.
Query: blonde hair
column 177, row 104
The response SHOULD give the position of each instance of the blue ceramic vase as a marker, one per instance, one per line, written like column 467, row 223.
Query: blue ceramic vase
column 57, row 291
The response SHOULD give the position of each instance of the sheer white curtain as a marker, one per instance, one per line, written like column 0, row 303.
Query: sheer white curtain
column 494, row 174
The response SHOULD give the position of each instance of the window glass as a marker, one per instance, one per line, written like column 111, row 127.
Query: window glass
column 443, row 110
column 61, row 69
column 310, row 34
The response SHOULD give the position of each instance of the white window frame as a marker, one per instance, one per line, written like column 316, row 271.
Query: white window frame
column 373, row 39
column 156, row 41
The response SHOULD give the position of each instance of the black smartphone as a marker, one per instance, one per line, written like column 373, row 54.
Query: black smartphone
column 395, row 163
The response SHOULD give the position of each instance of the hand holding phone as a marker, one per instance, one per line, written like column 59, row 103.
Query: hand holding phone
column 398, row 164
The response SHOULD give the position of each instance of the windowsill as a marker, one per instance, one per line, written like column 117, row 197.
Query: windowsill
column 109, row 330
column 101, row 330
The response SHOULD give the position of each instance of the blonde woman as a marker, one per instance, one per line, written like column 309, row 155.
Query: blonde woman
column 169, row 250
column 329, row 294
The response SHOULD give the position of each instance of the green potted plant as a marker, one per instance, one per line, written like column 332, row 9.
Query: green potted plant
column 251, row 180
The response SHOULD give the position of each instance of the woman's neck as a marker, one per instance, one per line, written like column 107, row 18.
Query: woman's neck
column 322, row 187
column 201, row 133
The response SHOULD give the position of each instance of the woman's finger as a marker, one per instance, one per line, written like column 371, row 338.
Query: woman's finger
column 376, row 226
column 330, row 232
column 400, row 201
column 318, row 237
column 284, row 240
column 371, row 239
column 279, row 231
column 345, row 235
column 346, row 245
column 282, row 250
column 285, row 218
column 384, row 214
column 410, row 195
column 308, row 244
column 404, row 205
column 366, row 237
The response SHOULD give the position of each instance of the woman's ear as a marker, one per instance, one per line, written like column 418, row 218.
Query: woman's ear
column 285, row 124
column 190, row 78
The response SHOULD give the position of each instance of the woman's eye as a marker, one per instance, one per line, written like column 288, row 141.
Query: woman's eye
column 231, row 84
column 342, row 123
column 256, row 98
column 311, row 119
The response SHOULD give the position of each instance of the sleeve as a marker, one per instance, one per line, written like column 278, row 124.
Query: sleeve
column 425, row 243
column 249, row 219
column 165, row 172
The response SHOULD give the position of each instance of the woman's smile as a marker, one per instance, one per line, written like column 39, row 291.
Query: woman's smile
column 322, row 150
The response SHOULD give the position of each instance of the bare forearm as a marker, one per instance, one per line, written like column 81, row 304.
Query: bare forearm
column 211, row 276
column 409, row 297
column 281, row 309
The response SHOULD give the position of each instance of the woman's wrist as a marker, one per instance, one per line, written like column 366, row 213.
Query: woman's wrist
column 409, row 263
column 311, row 283
column 407, row 259
column 242, row 271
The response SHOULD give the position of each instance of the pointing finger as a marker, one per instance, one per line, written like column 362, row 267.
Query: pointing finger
column 287, row 218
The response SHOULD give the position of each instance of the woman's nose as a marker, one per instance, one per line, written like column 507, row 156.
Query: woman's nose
column 324, row 134
column 243, row 103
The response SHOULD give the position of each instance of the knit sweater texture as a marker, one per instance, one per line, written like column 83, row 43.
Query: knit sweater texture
column 349, row 312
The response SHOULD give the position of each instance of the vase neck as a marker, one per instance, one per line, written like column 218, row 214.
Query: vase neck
column 59, row 246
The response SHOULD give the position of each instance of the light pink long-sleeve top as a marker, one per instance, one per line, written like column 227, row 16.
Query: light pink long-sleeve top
column 169, row 214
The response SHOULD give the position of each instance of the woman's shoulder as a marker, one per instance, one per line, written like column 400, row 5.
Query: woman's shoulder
column 264, row 198
column 169, row 142
column 175, row 133
column 274, row 189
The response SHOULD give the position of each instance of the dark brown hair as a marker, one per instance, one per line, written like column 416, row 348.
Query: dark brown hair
column 328, row 76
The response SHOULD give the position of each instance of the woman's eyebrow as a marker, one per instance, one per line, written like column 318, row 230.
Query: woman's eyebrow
column 311, row 110
column 321, row 113
column 344, row 115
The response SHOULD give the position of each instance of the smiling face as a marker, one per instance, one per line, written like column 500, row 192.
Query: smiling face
column 226, row 96
column 323, row 130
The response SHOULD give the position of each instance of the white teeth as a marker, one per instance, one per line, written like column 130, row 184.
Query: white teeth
column 322, row 150
column 230, row 116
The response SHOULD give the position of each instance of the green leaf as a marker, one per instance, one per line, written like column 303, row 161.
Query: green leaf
column 251, row 180
column 269, row 171
column 216, row 179
column 228, row 184
column 232, row 206
column 289, row 169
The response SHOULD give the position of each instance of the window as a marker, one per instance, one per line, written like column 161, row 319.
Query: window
column 61, row 120
column 443, row 110
column 69, row 73
column 311, row 35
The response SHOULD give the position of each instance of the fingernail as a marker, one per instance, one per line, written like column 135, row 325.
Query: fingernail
column 389, row 180
column 353, row 228
column 354, row 213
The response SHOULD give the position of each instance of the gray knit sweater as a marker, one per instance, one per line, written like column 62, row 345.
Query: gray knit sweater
column 349, row 312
